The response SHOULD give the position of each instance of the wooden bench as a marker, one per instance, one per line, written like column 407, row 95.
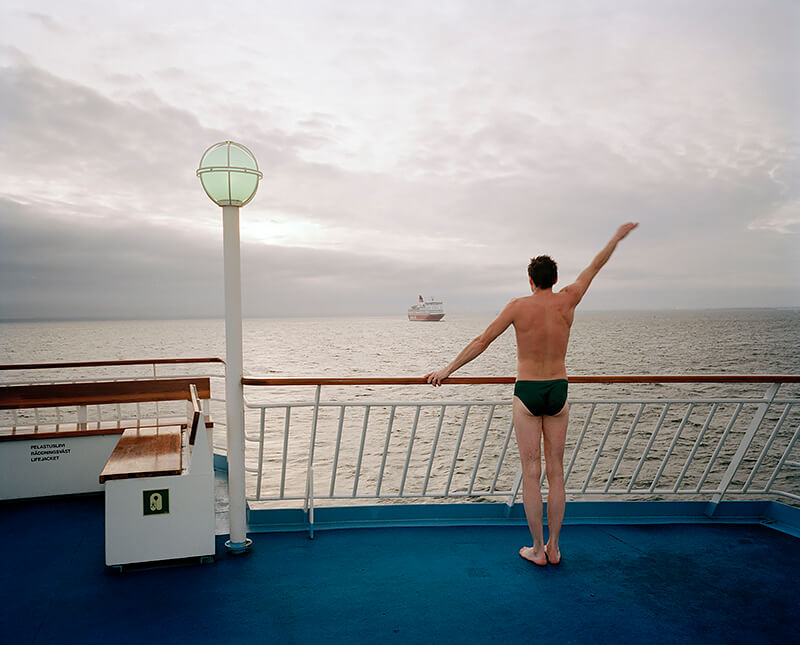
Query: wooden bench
column 159, row 488
column 66, row 458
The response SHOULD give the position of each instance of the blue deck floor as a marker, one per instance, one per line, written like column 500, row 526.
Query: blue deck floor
column 617, row 584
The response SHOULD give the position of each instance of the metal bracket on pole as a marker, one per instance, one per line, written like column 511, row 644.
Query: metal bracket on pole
column 744, row 446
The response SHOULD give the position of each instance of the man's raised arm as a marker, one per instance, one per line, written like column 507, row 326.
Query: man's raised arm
column 578, row 288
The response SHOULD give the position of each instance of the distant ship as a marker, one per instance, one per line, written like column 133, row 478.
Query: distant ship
column 430, row 310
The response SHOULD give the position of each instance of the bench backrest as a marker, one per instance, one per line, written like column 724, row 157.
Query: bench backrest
column 16, row 397
column 194, row 405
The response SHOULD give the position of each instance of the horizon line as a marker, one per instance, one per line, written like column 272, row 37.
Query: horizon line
column 377, row 315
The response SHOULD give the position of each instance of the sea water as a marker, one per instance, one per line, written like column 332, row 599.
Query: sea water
column 763, row 341
column 650, row 342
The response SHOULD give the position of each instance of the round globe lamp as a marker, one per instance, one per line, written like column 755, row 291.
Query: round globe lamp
column 229, row 174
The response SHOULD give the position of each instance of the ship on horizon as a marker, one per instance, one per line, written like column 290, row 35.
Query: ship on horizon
column 431, row 310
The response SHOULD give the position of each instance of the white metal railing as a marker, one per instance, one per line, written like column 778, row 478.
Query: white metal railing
column 349, row 447
column 320, row 450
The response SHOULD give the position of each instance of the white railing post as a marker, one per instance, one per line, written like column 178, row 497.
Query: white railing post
column 234, row 392
column 512, row 499
column 155, row 376
column 309, row 503
column 261, row 452
column 83, row 415
column 744, row 445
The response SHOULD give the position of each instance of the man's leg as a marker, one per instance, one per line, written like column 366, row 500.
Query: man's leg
column 554, row 430
column 528, row 429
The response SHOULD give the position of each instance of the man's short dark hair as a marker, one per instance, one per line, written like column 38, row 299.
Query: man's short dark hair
column 543, row 271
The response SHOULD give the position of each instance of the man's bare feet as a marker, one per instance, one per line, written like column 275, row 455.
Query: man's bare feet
column 529, row 553
column 552, row 558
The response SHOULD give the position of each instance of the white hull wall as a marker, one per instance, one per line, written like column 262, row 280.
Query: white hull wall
column 60, row 466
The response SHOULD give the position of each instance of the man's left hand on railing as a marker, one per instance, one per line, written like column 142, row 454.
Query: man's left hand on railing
column 436, row 378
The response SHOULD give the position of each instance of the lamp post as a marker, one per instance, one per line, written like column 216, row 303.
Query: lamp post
column 229, row 174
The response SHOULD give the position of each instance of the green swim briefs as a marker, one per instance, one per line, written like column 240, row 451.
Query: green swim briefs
column 542, row 397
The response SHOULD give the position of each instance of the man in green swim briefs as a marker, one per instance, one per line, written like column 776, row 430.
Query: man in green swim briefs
column 542, row 323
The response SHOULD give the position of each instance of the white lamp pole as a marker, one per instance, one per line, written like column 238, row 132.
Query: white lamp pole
column 229, row 174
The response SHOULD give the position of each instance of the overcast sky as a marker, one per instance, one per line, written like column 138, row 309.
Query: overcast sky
column 407, row 148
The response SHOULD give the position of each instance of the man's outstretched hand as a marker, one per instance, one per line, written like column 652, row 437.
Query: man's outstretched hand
column 623, row 230
column 436, row 378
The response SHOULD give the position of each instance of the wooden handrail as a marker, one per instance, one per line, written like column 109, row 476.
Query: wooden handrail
column 66, row 394
column 487, row 380
column 142, row 361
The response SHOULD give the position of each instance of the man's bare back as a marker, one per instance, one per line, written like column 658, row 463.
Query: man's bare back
column 542, row 323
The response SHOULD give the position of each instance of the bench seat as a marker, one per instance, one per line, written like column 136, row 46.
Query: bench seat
column 145, row 452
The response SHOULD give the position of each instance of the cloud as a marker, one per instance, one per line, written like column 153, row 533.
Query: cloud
column 404, row 148
column 47, row 22
column 784, row 219
column 123, row 269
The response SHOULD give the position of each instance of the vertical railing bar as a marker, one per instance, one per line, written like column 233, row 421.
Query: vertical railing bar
column 744, row 446
column 309, row 505
column 83, row 417
column 261, row 453
column 155, row 377
column 311, row 445
column 36, row 417
column 119, row 412
column 336, row 449
column 647, row 448
column 433, row 449
column 458, row 447
column 480, row 449
column 720, row 443
column 672, row 445
column 785, row 456
column 601, row 446
column 624, row 446
column 515, row 489
column 410, row 448
column 579, row 442
column 385, row 451
column 502, row 455
column 767, row 446
column 312, row 442
column 287, row 418
column 697, row 443
column 361, row 449
column 99, row 414
column 58, row 417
